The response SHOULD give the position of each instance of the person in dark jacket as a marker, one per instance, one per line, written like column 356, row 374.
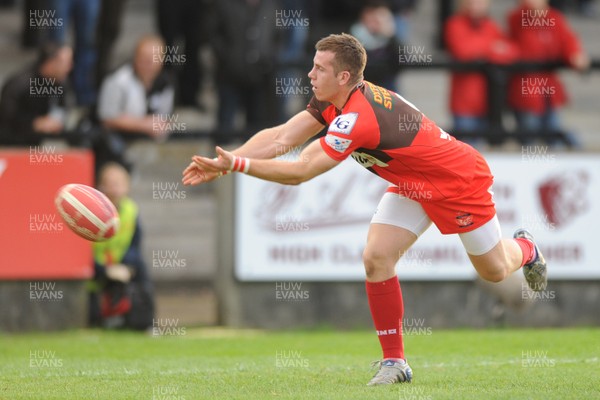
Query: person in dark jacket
column 244, row 42
column 34, row 102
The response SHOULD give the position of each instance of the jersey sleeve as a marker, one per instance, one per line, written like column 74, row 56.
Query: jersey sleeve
column 346, row 133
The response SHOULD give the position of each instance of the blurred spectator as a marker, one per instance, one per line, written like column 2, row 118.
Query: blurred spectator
column 471, row 35
column 402, row 10
column 184, row 21
column 136, row 98
column 32, row 36
column 34, row 102
column 543, row 35
column 376, row 30
column 83, row 14
column 584, row 7
column 292, row 50
column 108, row 29
column 244, row 42
column 123, row 293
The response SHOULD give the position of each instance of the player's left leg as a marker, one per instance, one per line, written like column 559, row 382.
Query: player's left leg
column 394, row 228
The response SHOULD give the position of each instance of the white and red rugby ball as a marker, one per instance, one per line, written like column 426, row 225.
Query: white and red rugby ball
column 87, row 211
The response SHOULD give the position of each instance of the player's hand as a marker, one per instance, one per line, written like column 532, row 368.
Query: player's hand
column 195, row 175
column 47, row 125
column 580, row 61
column 119, row 273
column 222, row 163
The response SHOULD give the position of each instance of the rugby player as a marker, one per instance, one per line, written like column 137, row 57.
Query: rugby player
column 364, row 121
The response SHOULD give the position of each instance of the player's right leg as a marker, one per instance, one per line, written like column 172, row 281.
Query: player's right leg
column 396, row 225
column 495, row 258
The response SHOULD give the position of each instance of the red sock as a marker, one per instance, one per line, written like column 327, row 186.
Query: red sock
column 528, row 249
column 387, row 309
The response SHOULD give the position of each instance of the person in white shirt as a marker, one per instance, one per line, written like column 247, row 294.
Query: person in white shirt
column 137, row 98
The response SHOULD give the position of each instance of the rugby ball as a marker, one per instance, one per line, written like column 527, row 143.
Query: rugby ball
column 87, row 212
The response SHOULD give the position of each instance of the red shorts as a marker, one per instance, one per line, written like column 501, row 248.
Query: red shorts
column 468, row 211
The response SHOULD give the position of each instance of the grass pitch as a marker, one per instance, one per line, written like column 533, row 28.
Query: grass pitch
column 230, row 364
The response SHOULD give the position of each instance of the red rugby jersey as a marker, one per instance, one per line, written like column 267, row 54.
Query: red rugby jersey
column 391, row 138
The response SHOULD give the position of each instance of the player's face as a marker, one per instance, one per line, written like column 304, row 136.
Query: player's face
column 324, row 81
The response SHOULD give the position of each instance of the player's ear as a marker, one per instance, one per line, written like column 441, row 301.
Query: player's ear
column 343, row 78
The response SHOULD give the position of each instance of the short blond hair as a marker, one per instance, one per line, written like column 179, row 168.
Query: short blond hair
column 350, row 55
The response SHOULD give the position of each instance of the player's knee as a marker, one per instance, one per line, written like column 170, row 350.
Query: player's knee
column 377, row 262
column 493, row 275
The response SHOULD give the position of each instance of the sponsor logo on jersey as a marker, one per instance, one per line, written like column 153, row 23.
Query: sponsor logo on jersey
column 343, row 123
column 381, row 96
column 338, row 144
column 367, row 160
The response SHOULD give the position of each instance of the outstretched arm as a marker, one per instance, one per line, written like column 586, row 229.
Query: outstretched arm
column 313, row 161
column 267, row 143
column 273, row 142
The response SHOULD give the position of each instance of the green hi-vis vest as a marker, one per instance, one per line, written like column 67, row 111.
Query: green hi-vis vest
column 113, row 250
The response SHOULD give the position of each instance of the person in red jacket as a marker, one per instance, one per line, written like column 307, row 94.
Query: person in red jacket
column 472, row 35
column 542, row 34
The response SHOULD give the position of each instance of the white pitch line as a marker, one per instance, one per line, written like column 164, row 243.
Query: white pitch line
column 508, row 362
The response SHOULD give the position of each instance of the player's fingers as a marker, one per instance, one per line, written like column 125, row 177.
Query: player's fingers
column 194, row 178
column 225, row 154
column 207, row 164
column 198, row 180
column 188, row 176
column 191, row 167
column 188, row 169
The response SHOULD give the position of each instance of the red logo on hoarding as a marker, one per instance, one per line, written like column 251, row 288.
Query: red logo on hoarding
column 564, row 197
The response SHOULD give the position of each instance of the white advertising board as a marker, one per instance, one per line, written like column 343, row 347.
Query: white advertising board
column 316, row 231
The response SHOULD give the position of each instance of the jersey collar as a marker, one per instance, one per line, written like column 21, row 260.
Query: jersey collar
column 358, row 86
